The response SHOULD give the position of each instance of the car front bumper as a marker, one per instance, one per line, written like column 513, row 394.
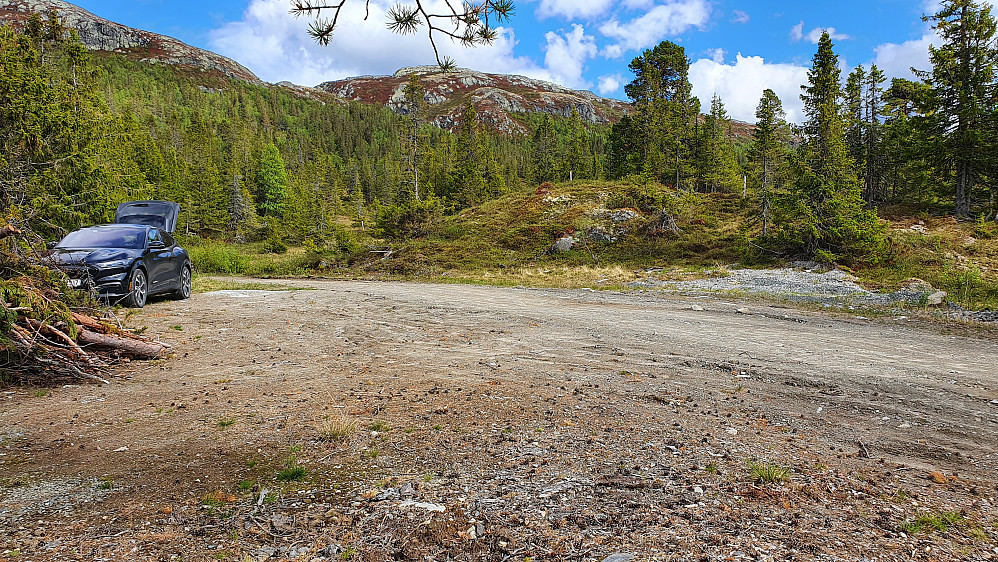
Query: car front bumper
column 111, row 286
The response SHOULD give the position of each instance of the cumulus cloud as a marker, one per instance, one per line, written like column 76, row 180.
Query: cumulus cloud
column 565, row 55
column 717, row 55
column 815, row 34
column 609, row 84
column 664, row 20
column 740, row 17
column 572, row 8
column 741, row 84
column 897, row 59
column 797, row 33
column 274, row 45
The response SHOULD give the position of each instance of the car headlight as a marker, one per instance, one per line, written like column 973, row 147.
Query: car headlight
column 113, row 264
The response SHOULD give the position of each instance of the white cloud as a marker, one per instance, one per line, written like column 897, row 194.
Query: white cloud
column 815, row 34
column 613, row 51
column 741, row 84
column 609, row 84
column 572, row 8
column 565, row 56
column 740, row 17
column 664, row 20
column 717, row 55
column 274, row 45
column 797, row 32
column 897, row 59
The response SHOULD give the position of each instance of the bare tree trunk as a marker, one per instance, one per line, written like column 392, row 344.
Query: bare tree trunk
column 964, row 182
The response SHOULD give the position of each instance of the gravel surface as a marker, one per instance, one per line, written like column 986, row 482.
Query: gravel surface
column 810, row 282
column 500, row 424
column 807, row 282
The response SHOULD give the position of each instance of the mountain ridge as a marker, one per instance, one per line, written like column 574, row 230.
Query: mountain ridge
column 100, row 34
column 498, row 98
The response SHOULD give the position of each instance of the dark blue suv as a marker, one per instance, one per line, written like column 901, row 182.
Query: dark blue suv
column 131, row 259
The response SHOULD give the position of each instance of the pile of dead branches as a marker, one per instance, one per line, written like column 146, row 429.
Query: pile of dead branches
column 49, row 333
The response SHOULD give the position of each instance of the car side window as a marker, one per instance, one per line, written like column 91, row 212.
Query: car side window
column 154, row 237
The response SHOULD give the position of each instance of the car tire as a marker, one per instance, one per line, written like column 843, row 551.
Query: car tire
column 184, row 291
column 138, row 290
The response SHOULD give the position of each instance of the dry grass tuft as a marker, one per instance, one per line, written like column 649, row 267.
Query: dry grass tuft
column 335, row 429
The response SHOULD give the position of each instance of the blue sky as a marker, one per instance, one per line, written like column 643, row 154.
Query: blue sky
column 737, row 48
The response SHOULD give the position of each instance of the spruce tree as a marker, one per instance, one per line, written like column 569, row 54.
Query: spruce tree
column 873, row 132
column 544, row 151
column 272, row 182
column 415, row 110
column 769, row 151
column 854, row 121
column 578, row 148
column 962, row 82
column 823, row 215
column 717, row 161
column 469, row 171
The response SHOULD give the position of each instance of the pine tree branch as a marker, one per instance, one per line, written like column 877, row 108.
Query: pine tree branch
column 471, row 25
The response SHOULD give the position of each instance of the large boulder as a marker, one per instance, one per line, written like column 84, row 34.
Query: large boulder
column 563, row 244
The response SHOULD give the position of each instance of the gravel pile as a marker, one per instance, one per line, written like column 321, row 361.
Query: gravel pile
column 806, row 282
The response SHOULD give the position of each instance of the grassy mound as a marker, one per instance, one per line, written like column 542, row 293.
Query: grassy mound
column 617, row 229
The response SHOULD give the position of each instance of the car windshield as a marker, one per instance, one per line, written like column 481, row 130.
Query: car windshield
column 104, row 238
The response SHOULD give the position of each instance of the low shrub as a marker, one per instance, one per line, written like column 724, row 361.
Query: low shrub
column 210, row 256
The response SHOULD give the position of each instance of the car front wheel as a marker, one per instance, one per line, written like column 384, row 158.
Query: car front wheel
column 138, row 290
column 184, row 290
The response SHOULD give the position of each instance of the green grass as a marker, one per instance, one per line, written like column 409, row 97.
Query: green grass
column 766, row 472
column 203, row 284
column 292, row 474
column 246, row 485
column 209, row 256
column 505, row 242
column 224, row 423
column 929, row 522
column 380, row 426
column 949, row 257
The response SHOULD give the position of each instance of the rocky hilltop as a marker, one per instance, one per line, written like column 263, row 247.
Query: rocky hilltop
column 100, row 34
column 500, row 99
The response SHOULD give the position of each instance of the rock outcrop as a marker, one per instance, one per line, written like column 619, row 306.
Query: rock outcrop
column 500, row 99
column 99, row 34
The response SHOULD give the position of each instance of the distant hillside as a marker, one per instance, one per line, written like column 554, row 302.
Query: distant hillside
column 100, row 34
column 499, row 99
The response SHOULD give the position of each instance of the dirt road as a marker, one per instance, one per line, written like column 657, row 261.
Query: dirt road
column 376, row 421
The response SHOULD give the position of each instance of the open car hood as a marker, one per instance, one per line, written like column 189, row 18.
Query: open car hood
column 160, row 214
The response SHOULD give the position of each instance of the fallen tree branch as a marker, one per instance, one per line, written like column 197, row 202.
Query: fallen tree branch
column 139, row 349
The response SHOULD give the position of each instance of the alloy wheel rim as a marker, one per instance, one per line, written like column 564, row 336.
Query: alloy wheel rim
column 139, row 288
column 185, row 281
